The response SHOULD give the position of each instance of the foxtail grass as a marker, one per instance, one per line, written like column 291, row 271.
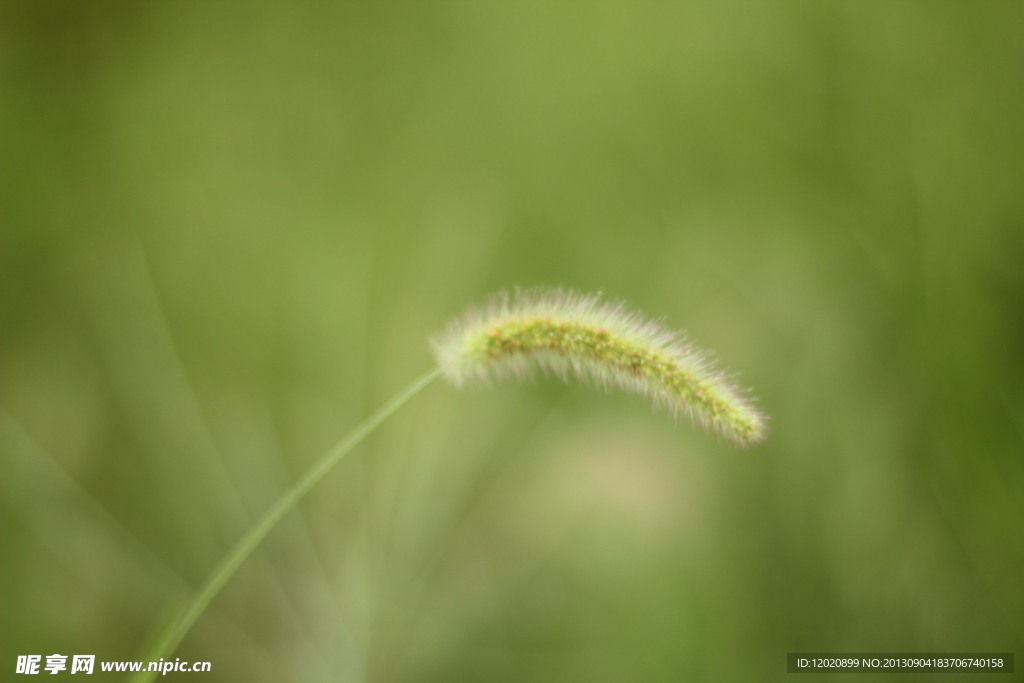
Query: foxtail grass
column 552, row 331
column 576, row 335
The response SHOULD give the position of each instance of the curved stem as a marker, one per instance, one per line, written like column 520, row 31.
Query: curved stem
column 178, row 628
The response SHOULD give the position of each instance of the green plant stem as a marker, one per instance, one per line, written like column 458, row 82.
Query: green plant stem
column 194, row 608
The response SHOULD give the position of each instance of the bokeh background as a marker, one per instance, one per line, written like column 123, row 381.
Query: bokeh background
column 228, row 231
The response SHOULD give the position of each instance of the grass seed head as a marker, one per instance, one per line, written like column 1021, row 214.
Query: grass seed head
column 580, row 335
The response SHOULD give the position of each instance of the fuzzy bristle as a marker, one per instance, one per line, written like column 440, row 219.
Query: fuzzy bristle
column 566, row 333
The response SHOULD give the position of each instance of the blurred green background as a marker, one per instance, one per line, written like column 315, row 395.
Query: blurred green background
column 227, row 232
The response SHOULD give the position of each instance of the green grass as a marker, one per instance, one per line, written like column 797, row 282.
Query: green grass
column 223, row 234
column 570, row 325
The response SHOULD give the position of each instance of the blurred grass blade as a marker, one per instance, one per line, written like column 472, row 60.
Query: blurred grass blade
column 177, row 629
